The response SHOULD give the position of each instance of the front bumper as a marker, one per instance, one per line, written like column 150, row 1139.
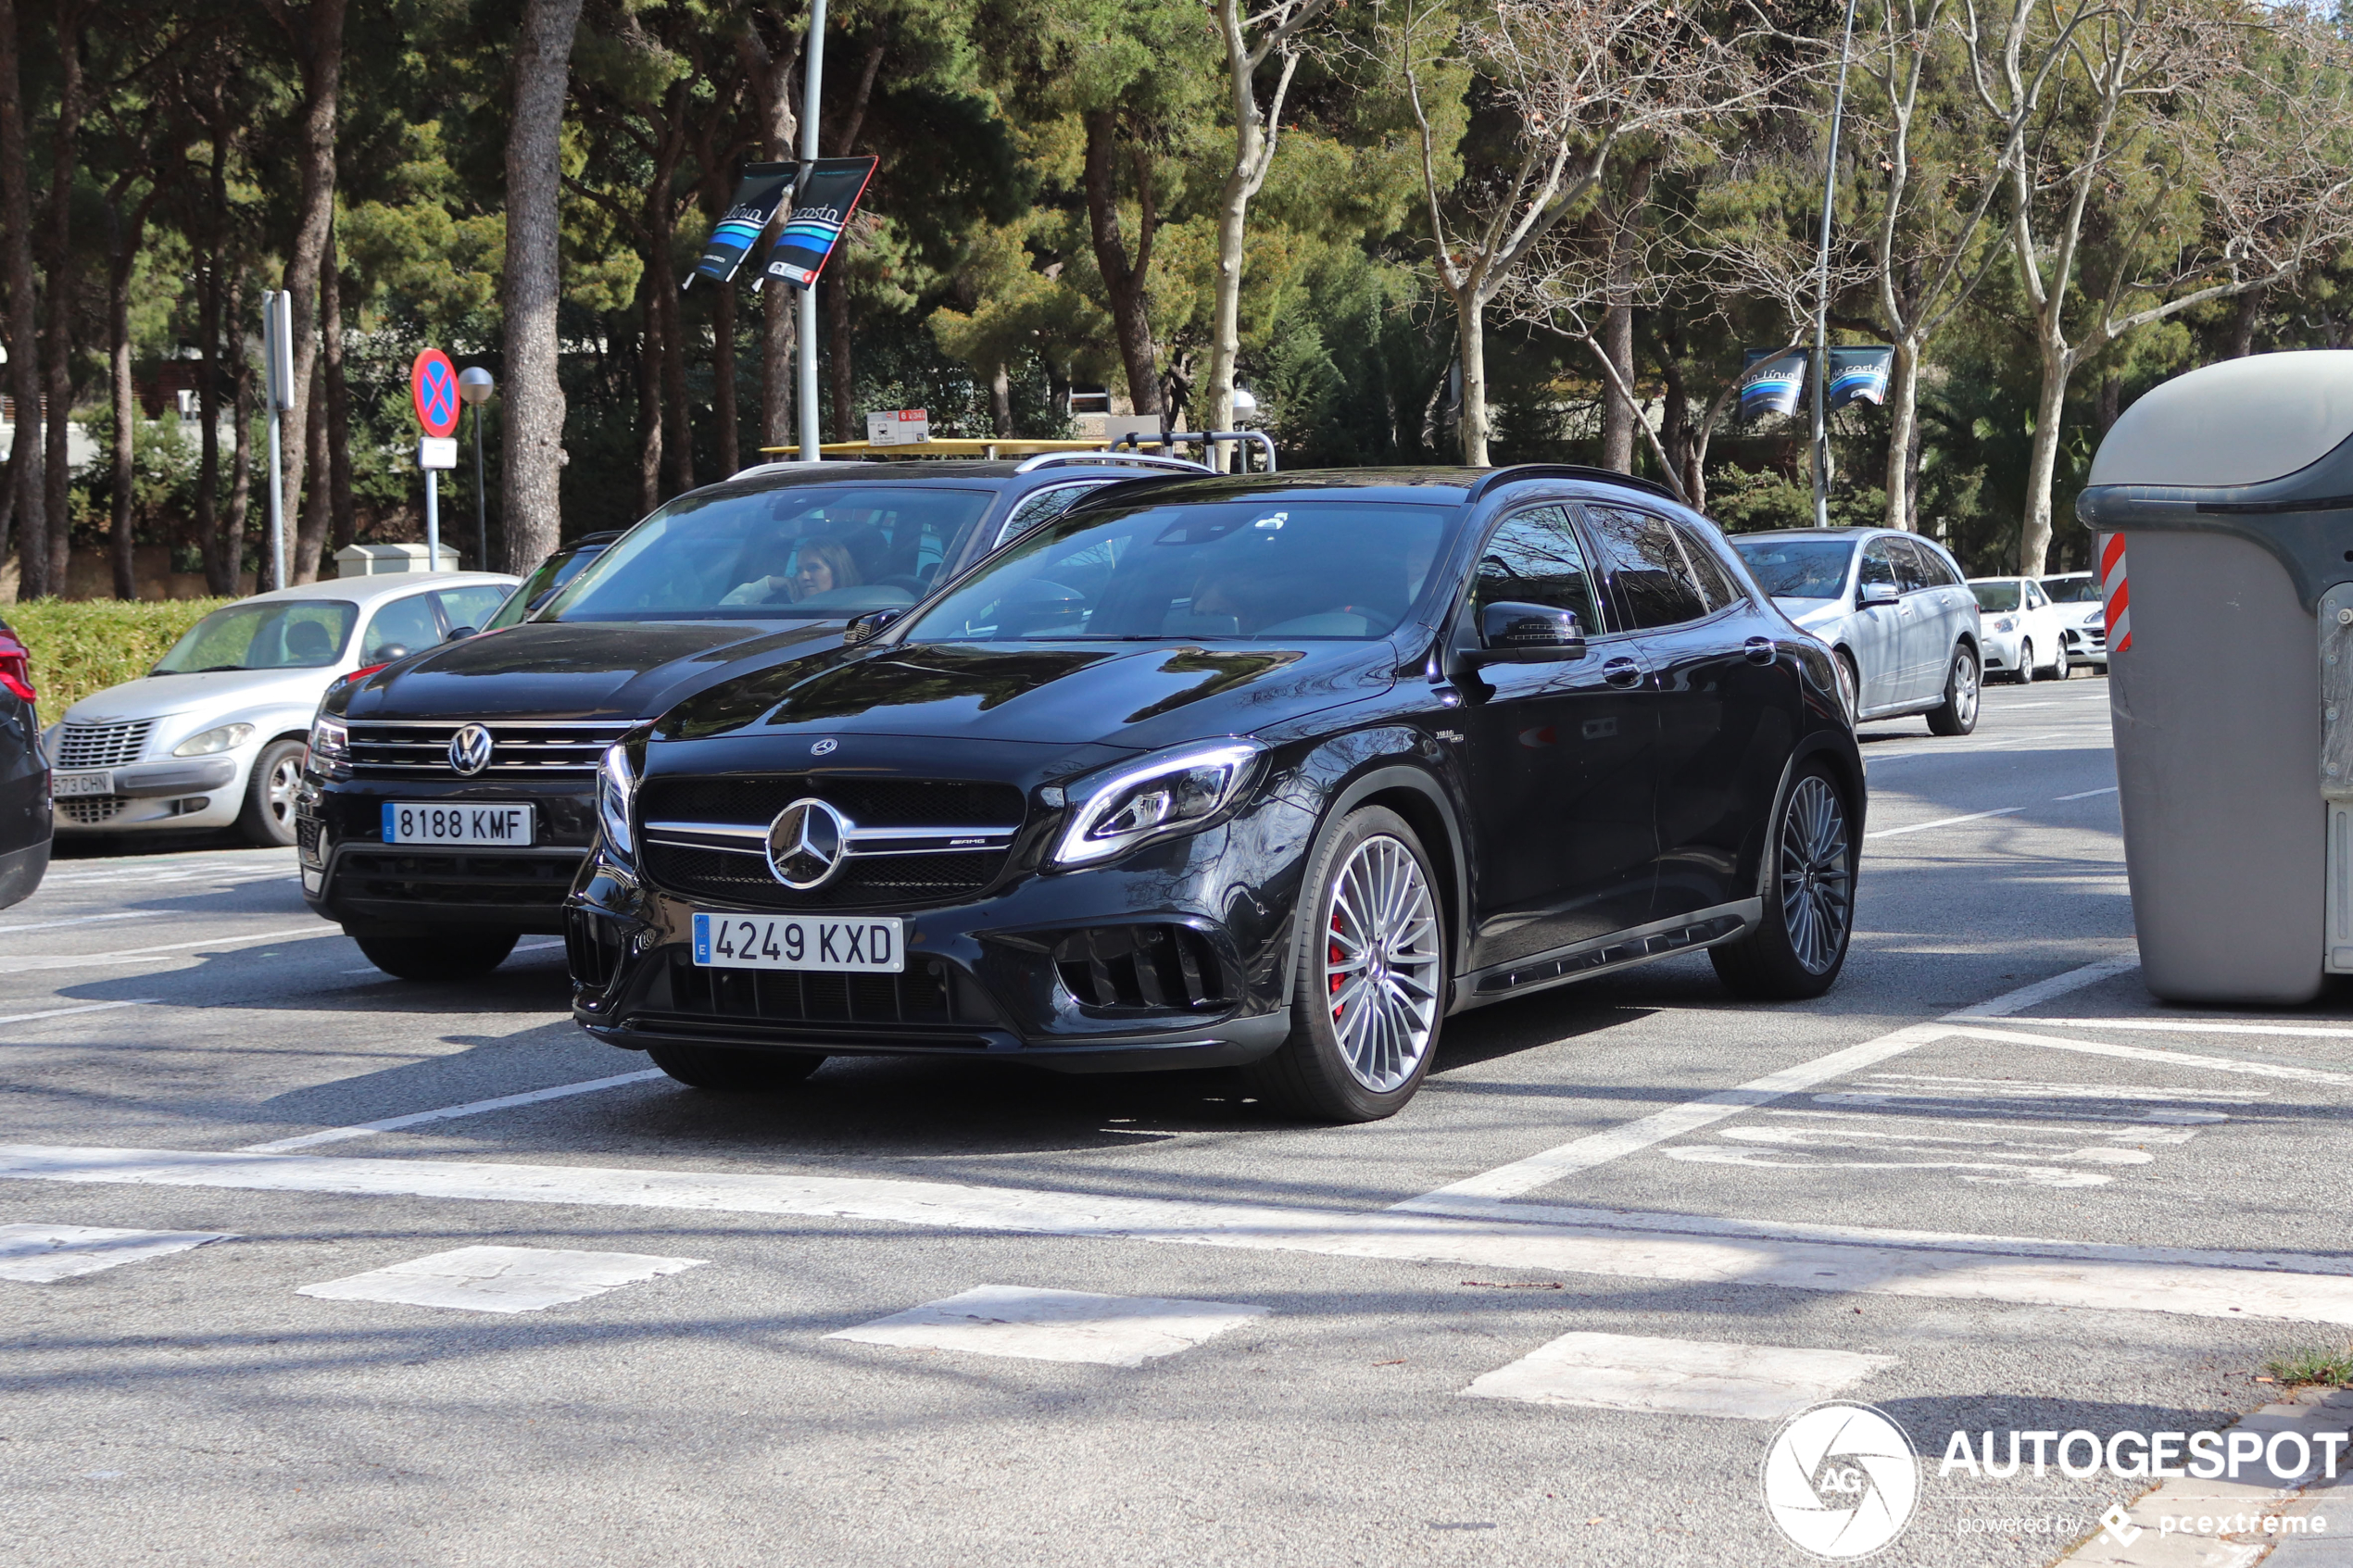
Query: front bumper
column 196, row 791
column 351, row 876
column 2088, row 643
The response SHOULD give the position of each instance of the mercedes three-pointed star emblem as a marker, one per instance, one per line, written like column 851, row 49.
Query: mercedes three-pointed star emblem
column 470, row 751
column 806, row 844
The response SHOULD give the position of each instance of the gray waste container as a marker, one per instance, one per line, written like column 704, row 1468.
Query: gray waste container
column 2223, row 503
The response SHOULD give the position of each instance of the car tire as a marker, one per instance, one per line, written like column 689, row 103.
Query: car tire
column 466, row 955
column 1337, row 1065
column 1958, row 714
column 1799, row 947
column 720, row 1069
column 268, row 818
column 1853, row 692
column 2025, row 664
column 2062, row 666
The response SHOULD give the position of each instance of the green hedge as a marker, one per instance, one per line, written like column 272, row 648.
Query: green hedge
column 84, row 646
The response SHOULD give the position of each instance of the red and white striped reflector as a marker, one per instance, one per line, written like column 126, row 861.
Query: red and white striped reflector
column 2116, row 593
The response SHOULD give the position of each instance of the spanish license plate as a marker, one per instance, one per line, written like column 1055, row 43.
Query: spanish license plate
column 456, row 822
column 866, row 945
column 70, row 784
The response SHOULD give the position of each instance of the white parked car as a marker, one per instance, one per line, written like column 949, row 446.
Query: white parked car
column 2078, row 596
column 2026, row 634
column 213, row 736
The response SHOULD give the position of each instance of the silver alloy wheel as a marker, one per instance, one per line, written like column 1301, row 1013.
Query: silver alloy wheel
column 2026, row 664
column 280, row 788
column 1817, row 873
column 1964, row 687
column 1381, row 964
column 2061, row 667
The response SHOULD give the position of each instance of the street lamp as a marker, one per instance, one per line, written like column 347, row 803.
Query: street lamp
column 1823, row 288
column 474, row 386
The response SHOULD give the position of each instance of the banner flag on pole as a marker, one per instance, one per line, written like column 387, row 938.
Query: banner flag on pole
column 820, row 207
column 1858, row 375
column 758, row 196
column 1770, row 381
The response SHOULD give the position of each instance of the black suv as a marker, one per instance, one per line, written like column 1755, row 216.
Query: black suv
column 447, row 798
column 1272, row 771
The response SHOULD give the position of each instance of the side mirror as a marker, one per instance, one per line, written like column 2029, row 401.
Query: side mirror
column 865, row 627
column 389, row 652
column 1869, row 594
column 1525, row 634
column 458, row 632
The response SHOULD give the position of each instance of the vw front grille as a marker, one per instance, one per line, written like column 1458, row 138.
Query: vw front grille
column 102, row 745
column 391, row 749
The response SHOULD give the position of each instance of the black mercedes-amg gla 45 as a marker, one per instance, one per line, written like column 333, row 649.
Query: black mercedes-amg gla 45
column 1270, row 771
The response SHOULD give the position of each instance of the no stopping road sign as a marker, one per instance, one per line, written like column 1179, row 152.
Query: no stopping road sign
column 433, row 383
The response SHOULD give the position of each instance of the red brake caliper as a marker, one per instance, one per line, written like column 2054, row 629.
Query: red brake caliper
column 1335, row 958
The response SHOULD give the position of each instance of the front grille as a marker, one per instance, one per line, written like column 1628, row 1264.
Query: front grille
column 864, row 880
column 1151, row 967
column 455, row 877
column 870, row 803
column 593, row 948
column 927, row 994
column 392, row 749
column 105, row 745
column 89, row 811
column 306, row 837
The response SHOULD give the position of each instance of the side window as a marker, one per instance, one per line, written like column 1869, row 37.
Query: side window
column 1646, row 566
column 1911, row 573
column 1879, row 566
column 1534, row 558
column 406, row 625
column 2035, row 599
column 1043, row 506
column 470, row 606
column 1941, row 572
column 1715, row 582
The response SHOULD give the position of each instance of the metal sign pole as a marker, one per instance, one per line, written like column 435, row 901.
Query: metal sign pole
column 482, row 505
column 277, row 370
column 433, row 521
column 810, row 84
column 1823, row 290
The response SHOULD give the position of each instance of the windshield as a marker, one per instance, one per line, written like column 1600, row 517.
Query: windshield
column 2071, row 590
column 1797, row 568
column 281, row 634
column 1995, row 597
column 551, row 574
column 816, row 552
column 1257, row 571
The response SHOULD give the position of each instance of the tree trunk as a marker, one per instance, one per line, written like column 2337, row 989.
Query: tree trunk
column 310, row 530
column 722, row 377
column 2035, row 533
column 678, row 432
column 1903, row 413
column 838, row 369
column 1470, row 338
column 208, row 292
column 1123, row 281
column 1233, row 223
column 1619, row 409
column 2243, row 321
column 342, row 525
column 777, row 340
column 1000, row 401
column 320, row 44
column 530, row 457
column 23, row 504
column 240, row 457
column 128, row 233
column 649, row 402
column 2104, row 412
column 56, row 338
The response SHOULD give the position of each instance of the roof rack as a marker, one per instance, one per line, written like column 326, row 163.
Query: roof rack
column 1518, row 471
column 1125, row 459
column 1210, row 438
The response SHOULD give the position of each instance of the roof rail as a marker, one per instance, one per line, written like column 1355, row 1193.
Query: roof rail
column 1258, row 438
column 1125, row 459
column 1518, row 471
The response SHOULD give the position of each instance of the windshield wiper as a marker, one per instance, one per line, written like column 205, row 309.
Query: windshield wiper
column 207, row 670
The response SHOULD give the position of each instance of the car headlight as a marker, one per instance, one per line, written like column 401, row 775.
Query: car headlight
column 227, row 737
column 616, row 789
column 329, row 743
column 1176, row 792
column 2005, row 624
column 2096, row 618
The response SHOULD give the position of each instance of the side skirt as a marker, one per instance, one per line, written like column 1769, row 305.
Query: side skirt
column 1624, row 949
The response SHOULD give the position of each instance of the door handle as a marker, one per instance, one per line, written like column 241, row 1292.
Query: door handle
column 1621, row 672
column 1759, row 650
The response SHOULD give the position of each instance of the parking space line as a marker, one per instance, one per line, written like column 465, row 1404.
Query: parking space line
column 1056, row 1325
column 1598, row 1148
column 82, row 919
column 2178, row 1027
column 447, row 1113
column 1945, row 822
column 2044, row 1274
column 133, row 955
column 500, row 1279
column 2178, row 1058
column 2086, row 795
column 86, row 1007
column 1634, row 1371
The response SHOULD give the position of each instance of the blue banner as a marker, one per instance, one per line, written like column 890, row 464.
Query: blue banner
column 1859, row 375
column 1770, row 381
column 758, row 196
column 821, row 209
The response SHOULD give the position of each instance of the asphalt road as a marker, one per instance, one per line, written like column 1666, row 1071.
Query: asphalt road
column 2042, row 1214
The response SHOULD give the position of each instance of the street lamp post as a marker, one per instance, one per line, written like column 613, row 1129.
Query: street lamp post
column 812, row 79
column 475, row 385
column 1823, row 288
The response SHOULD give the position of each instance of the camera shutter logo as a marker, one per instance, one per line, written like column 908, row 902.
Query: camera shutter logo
column 806, row 844
column 1841, row 1480
column 470, row 751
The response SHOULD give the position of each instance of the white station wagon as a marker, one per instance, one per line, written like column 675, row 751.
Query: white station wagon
column 213, row 736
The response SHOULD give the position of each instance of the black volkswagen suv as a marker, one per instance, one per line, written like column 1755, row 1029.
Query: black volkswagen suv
column 447, row 798
column 1272, row 771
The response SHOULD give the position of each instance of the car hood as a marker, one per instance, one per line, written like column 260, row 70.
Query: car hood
column 223, row 692
column 1133, row 695
column 585, row 669
column 1812, row 614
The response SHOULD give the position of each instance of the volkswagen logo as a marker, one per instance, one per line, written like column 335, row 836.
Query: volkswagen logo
column 470, row 751
column 824, row 747
column 806, row 844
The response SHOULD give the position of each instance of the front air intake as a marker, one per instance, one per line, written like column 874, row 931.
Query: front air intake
column 1145, row 968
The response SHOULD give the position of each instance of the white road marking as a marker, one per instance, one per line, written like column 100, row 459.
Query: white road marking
column 2086, row 795
column 448, row 1112
column 2177, row 1059
column 539, row 947
column 1599, row 1149
column 44, row 1254
column 133, row 955
column 2091, row 1275
column 82, row 919
column 1631, row 1371
column 1986, row 1172
column 2178, row 1027
column 2128, row 1129
column 2008, row 1146
column 500, row 1279
column 1946, row 822
column 1913, row 1085
column 1056, row 1325
column 86, row 1007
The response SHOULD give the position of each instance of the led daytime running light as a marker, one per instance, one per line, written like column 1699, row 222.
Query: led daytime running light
column 1120, row 813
